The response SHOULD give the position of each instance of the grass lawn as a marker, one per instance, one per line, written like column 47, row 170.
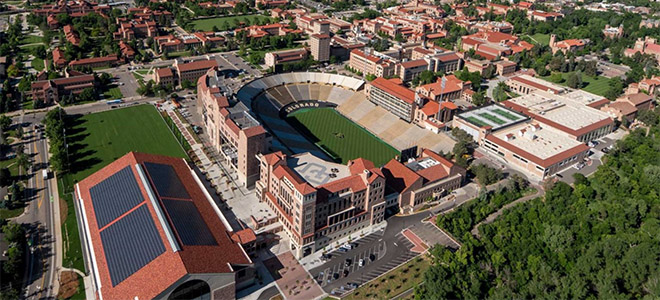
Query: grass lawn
column 543, row 39
column 30, row 39
column 38, row 64
column 597, row 85
column 28, row 104
column 11, row 164
column 393, row 282
column 10, row 213
column 172, row 55
column 13, row 170
column 340, row 137
column 225, row 23
column 98, row 139
column 143, row 71
column 113, row 93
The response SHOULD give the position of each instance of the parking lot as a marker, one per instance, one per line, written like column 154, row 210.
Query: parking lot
column 591, row 165
column 337, row 278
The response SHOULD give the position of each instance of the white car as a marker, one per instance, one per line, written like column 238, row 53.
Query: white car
column 361, row 263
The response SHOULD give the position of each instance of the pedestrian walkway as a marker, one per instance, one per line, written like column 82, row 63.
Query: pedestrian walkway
column 493, row 216
column 292, row 279
column 240, row 204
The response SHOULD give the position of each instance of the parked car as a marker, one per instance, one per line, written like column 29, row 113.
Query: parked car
column 345, row 272
column 372, row 257
column 361, row 263
column 348, row 262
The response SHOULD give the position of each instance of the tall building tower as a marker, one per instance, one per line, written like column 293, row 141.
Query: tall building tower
column 320, row 47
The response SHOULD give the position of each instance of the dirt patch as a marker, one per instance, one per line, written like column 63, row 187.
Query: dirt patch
column 64, row 210
column 68, row 285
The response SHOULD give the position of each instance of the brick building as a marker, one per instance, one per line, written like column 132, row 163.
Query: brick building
column 51, row 91
column 146, row 214
column 231, row 128
column 319, row 202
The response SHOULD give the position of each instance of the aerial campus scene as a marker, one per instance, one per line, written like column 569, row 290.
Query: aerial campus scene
column 329, row 149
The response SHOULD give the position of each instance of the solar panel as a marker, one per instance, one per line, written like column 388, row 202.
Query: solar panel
column 166, row 181
column 188, row 223
column 115, row 195
column 131, row 243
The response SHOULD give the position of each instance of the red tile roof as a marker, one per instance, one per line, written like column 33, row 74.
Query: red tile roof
column 399, row 177
column 164, row 73
column 197, row 65
column 414, row 63
column 244, row 236
column 166, row 269
column 394, row 89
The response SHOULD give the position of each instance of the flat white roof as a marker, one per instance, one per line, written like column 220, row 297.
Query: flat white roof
column 543, row 142
column 316, row 171
column 560, row 109
column 539, row 83
column 582, row 97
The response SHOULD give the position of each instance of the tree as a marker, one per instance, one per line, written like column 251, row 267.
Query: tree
column 5, row 123
column 23, row 162
column 86, row 95
column 186, row 84
column 13, row 71
column 500, row 92
column 478, row 99
column 590, row 68
column 370, row 77
column 556, row 78
column 486, row 175
column 5, row 177
column 574, row 80
column 648, row 117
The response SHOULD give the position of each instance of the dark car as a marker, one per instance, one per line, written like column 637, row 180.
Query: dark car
column 335, row 276
column 372, row 257
column 348, row 262
column 345, row 272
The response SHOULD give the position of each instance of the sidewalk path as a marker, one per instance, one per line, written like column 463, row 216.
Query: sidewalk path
column 413, row 238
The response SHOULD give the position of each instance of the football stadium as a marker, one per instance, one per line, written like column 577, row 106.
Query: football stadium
column 329, row 116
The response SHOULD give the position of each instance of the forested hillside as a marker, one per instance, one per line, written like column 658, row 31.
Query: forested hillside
column 599, row 239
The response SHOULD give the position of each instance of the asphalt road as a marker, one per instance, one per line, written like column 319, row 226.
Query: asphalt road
column 38, row 220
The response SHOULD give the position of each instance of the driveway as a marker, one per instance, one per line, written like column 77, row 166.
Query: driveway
column 129, row 86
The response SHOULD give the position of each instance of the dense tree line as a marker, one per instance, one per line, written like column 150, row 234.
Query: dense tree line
column 461, row 221
column 12, row 269
column 56, row 131
column 597, row 239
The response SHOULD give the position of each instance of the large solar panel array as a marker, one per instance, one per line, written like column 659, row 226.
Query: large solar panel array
column 183, row 214
column 189, row 223
column 131, row 243
column 166, row 182
column 115, row 195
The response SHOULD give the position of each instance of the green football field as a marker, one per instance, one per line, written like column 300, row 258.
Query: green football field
column 340, row 137
column 226, row 23
column 99, row 139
